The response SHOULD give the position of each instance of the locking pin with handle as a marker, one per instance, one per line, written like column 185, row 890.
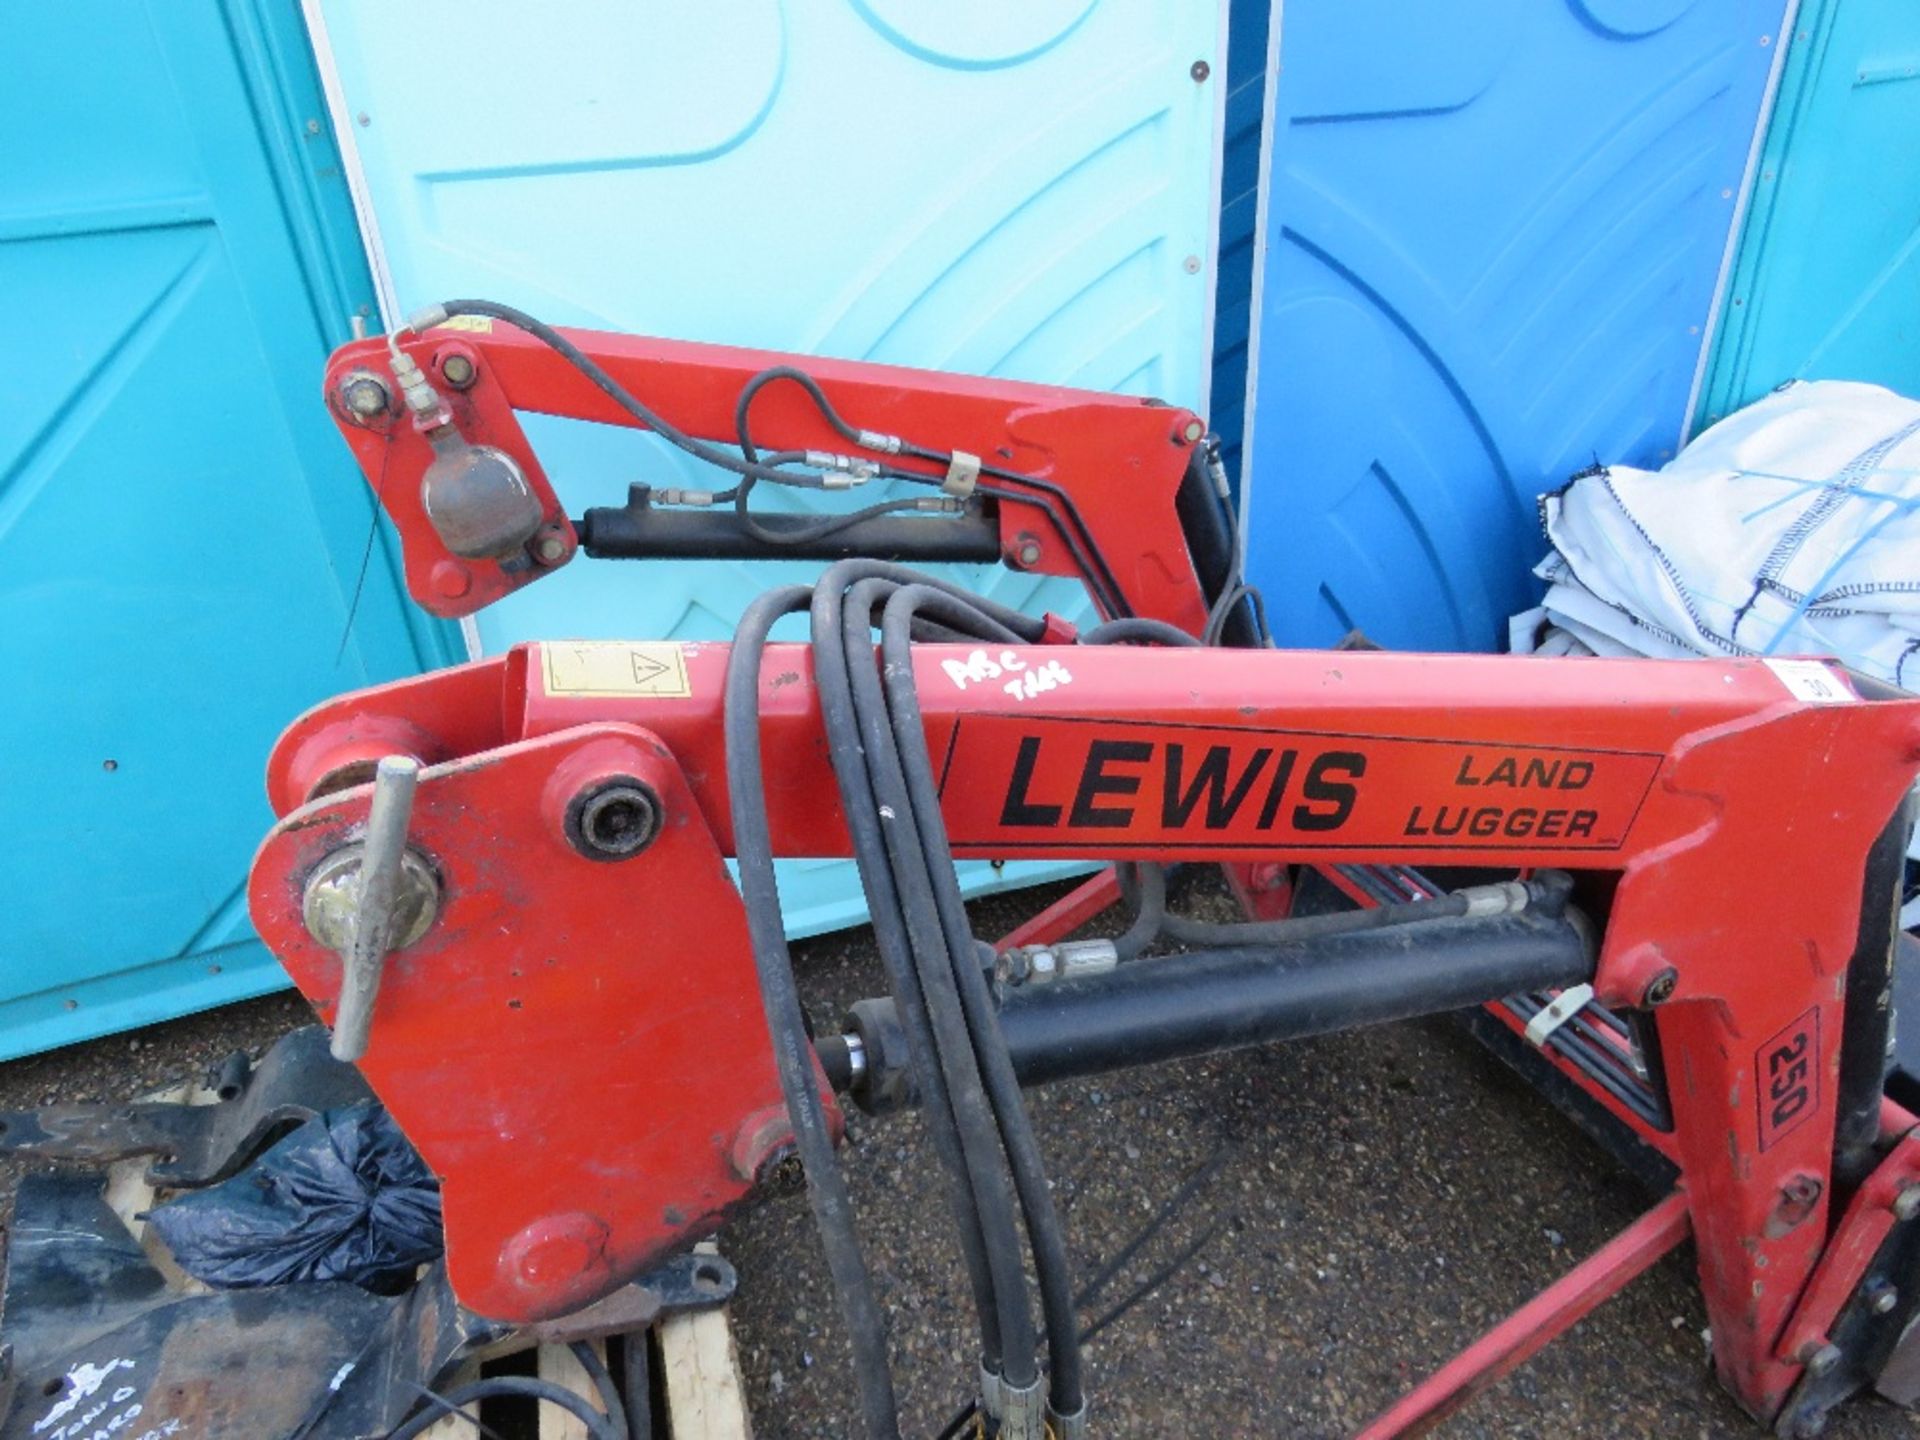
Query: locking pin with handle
column 370, row 898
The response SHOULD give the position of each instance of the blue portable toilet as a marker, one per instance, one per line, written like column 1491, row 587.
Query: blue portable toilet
column 1490, row 238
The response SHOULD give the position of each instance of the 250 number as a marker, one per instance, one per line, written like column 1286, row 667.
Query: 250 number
column 1789, row 1066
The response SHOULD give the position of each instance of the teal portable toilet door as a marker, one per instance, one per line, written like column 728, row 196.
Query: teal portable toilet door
column 1827, row 284
column 181, row 529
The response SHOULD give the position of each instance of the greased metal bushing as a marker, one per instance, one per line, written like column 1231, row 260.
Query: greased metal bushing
column 614, row 818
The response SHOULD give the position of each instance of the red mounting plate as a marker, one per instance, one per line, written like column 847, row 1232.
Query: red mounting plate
column 577, row 1046
column 394, row 455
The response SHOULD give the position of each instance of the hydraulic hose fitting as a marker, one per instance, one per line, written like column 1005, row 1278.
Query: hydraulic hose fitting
column 840, row 472
column 1546, row 892
column 1508, row 897
column 423, row 402
column 1067, row 1427
column 1025, row 1417
column 1217, row 468
column 993, row 1396
column 1063, row 960
column 1551, row 890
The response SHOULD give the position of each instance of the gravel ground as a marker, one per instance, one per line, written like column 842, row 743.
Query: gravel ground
column 1374, row 1201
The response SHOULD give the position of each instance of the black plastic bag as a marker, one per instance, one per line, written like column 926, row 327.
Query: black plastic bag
column 344, row 1197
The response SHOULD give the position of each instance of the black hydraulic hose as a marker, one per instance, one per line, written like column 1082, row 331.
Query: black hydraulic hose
column 1025, row 629
column 607, row 385
column 1053, row 499
column 808, row 534
column 599, row 1426
column 806, row 382
column 1056, row 502
column 589, row 1360
column 980, row 1138
column 1223, row 609
column 786, row 1024
column 1051, row 1264
column 1145, row 887
column 1138, row 630
column 861, row 811
column 1092, row 563
column 636, row 1377
column 1081, row 545
column 811, row 534
column 1311, row 927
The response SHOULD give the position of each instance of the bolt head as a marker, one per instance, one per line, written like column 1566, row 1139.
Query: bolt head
column 364, row 397
column 450, row 579
column 1882, row 1298
column 1660, row 989
column 1028, row 552
column 1823, row 1360
column 1193, row 431
column 458, row 370
column 551, row 549
column 1906, row 1204
column 1200, row 71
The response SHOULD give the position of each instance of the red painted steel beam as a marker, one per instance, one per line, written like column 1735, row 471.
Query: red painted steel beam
column 1067, row 914
column 1118, row 457
column 1895, row 1119
column 1550, row 1314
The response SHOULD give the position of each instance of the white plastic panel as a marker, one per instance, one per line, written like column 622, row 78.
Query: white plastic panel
column 1010, row 189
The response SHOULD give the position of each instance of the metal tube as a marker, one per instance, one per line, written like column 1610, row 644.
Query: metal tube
column 1212, row 1000
column 374, row 922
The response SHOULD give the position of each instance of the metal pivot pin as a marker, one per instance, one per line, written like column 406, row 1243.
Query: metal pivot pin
column 370, row 898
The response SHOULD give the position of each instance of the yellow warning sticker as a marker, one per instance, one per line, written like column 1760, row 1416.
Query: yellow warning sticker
column 618, row 668
column 478, row 324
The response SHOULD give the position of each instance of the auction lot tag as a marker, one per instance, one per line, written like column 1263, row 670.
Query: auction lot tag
column 1810, row 680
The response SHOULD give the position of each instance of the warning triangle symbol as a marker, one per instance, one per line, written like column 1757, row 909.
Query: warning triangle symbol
column 646, row 668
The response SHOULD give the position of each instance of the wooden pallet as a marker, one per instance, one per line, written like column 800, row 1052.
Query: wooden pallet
column 695, row 1350
column 705, row 1399
column 699, row 1368
column 130, row 1196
